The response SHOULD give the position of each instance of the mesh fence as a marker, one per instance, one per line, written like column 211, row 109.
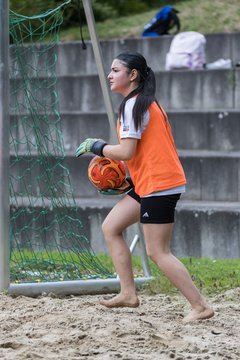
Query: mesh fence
column 47, row 236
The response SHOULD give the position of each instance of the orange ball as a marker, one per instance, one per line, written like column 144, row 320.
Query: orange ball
column 105, row 173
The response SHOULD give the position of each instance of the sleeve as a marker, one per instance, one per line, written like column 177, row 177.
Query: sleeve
column 127, row 127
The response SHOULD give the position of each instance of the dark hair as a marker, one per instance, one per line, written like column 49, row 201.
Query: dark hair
column 145, row 90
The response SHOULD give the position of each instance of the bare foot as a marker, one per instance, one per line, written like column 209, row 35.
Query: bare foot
column 121, row 301
column 200, row 314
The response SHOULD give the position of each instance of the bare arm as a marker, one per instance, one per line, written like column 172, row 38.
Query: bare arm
column 123, row 151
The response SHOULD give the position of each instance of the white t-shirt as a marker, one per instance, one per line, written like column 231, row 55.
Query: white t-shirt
column 127, row 128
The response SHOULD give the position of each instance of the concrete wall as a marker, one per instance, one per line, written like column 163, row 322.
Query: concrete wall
column 74, row 60
column 208, row 229
column 204, row 111
column 176, row 90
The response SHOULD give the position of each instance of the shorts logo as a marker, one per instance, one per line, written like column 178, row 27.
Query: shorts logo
column 145, row 214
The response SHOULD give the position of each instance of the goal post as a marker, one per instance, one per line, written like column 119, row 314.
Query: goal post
column 4, row 147
column 101, row 73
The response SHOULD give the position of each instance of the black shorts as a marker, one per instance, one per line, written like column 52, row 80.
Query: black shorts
column 156, row 209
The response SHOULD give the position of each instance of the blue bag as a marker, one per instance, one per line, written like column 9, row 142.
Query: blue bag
column 164, row 20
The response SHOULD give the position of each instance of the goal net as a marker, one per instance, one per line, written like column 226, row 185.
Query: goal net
column 47, row 236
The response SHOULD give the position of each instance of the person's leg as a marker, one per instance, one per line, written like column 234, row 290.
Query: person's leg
column 125, row 213
column 158, row 238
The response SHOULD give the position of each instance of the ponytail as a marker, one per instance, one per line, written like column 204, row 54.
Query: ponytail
column 145, row 91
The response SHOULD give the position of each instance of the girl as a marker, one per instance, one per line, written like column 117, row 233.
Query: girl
column 146, row 145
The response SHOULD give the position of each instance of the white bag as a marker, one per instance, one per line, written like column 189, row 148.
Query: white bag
column 187, row 51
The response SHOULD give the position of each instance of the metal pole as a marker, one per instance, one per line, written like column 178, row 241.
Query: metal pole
column 138, row 240
column 106, row 94
column 74, row 287
column 4, row 146
column 99, row 62
column 142, row 249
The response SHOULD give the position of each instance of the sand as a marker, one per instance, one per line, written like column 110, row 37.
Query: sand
column 79, row 328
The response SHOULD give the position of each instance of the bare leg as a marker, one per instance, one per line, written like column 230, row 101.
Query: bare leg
column 158, row 237
column 125, row 213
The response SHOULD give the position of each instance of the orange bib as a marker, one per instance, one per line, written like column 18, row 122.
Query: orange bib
column 155, row 165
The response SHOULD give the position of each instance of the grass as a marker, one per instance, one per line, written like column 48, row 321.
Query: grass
column 27, row 265
column 210, row 276
column 203, row 16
